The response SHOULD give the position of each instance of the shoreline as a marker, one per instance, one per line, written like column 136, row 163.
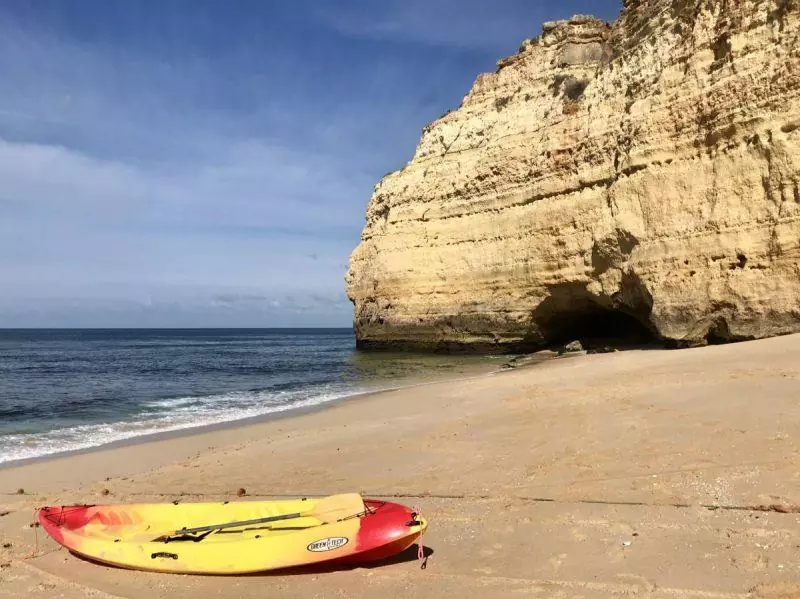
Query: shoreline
column 202, row 429
column 633, row 457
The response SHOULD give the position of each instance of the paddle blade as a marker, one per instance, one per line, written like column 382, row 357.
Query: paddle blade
column 337, row 507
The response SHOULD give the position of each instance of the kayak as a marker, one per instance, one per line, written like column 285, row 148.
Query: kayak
column 236, row 537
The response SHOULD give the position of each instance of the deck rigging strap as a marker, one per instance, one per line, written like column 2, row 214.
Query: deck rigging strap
column 240, row 523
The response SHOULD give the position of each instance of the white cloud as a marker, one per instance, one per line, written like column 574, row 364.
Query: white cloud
column 251, row 185
column 497, row 26
column 101, row 231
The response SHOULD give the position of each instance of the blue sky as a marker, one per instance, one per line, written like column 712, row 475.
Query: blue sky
column 208, row 163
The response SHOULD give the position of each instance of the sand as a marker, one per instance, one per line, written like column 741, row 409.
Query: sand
column 656, row 474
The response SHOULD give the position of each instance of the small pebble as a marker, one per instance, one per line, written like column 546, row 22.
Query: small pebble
column 626, row 543
column 20, row 491
column 241, row 492
column 105, row 492
column 6, row 545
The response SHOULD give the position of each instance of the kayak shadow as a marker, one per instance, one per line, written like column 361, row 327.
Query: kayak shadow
column 409, row 555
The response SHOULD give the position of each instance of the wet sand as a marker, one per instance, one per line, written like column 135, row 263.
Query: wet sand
column 637, row 474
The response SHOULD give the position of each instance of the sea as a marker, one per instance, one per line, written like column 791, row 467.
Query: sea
column 68, row 390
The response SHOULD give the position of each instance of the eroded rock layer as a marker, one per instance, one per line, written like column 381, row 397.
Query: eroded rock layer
column 648, row 169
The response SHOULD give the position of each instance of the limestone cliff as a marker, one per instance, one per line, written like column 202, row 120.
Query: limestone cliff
column 649, row 168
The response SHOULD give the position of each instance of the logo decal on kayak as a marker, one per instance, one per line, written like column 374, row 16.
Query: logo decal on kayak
column 328, row 544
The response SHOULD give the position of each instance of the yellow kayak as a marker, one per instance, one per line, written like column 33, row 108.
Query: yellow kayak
column 235, row 537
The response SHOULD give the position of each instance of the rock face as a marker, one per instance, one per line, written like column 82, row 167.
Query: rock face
column 641, row 175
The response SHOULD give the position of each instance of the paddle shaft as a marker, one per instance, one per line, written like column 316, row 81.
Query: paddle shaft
column 335, row 507
column 210, row 527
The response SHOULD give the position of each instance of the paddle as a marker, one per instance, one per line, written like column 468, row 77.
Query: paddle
column 329, row 509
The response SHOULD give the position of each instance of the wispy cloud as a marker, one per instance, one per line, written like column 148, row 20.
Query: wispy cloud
column 496, row 26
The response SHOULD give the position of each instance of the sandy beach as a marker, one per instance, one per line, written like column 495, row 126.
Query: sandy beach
column 654, row 474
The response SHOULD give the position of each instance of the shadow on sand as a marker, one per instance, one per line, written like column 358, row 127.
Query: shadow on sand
column 409, row 555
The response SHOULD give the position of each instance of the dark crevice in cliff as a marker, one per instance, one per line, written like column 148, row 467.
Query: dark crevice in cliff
column 778, row 15
column 719, row 333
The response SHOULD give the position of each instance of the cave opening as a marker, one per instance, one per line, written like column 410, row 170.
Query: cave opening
column 599, row 328
column 622, row 321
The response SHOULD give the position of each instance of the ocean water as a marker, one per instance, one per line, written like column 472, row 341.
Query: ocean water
column 65, row 390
